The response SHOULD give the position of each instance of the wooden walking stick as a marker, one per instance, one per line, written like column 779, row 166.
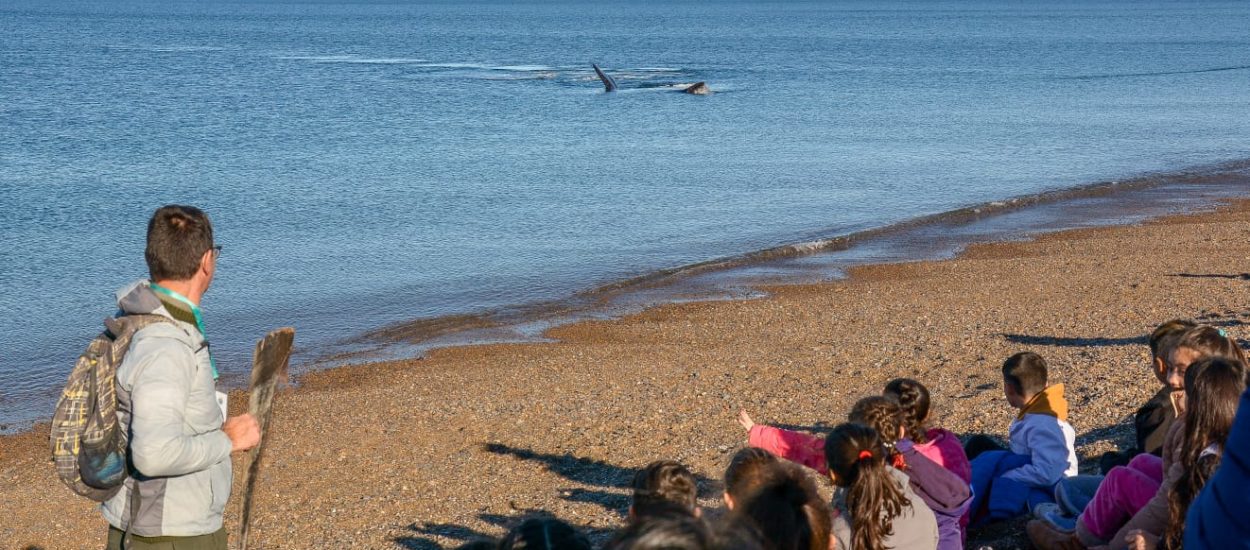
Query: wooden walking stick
column 269, row 364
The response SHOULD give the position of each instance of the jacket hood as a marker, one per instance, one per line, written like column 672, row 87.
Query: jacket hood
column 137, row 299
column 1049, row 401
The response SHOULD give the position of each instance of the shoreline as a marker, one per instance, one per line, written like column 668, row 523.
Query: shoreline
column 466, row 440
column 821, row 257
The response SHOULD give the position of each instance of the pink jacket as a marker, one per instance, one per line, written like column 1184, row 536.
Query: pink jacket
column 943, row 448
column 803, row 448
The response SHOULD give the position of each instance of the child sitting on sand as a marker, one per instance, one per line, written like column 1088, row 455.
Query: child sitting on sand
column 1216, row 518
column 664, row 488
column 876, row 507
column 544, row 532
column 937, row 444
column 662, row 533
column 1152, row 420
column 1010, row 482
column 945, row 493
column 748, row 470
column 785, row 509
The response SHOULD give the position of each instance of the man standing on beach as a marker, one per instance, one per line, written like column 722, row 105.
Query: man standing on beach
column 179, row 447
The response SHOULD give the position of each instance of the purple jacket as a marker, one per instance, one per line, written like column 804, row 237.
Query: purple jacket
column 942, row 490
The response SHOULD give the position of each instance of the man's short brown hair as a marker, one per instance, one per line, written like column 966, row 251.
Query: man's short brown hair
column 178, row 237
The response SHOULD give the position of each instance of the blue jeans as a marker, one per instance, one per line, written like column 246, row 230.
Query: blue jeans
column 996, row 498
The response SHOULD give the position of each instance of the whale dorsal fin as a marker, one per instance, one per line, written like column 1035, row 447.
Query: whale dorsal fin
column 609, row 84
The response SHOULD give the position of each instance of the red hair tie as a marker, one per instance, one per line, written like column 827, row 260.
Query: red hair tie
column 865, row 454
column 899, row 463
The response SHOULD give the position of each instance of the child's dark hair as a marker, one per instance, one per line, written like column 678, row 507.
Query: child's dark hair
column 1212, row 388
column 1168, row 330
column 856, row 457
column 544, row 534
column 677, row 532
column 749, row 469
column 662, row 486
column 1209, row 341
column 737, row 535
column 882, row 414
column 1026, row 372
column 787, row 511
column 913, row 402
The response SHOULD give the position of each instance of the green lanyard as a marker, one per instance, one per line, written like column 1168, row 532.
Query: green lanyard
column 195, row 310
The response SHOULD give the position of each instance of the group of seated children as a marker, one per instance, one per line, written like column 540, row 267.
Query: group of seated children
column 902, row 484
column 930, row 491
column 1142, row 499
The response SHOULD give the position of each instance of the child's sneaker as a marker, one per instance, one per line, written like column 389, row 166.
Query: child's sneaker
column 1052, row 514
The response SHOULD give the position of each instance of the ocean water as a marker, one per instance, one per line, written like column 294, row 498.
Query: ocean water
column 373, row 163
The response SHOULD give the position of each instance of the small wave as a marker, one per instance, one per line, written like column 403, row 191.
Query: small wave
column 544, row 75
column 485, row 67
column 455, row 66
column 166, row 49
column 355, row 59
column 1159, row 73
column 522, row 68
column 665, row 85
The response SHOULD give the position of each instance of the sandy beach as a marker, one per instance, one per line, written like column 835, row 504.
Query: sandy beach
column 467, row 441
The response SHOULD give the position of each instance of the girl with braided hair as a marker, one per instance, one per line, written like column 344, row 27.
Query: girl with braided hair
column 874, row 504
column 937, row 444
column 940, row 445
column 945, row 493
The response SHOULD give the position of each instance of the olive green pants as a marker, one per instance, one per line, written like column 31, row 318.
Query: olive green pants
column 211, row 541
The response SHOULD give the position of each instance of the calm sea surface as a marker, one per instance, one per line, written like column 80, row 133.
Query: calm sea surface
column 377, row 162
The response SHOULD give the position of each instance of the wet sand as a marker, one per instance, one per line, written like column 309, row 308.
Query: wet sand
column 430, row 452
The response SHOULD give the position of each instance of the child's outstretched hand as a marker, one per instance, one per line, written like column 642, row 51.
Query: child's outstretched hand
column 745, row 420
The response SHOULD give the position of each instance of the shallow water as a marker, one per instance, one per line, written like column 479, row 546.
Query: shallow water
column 367, row 164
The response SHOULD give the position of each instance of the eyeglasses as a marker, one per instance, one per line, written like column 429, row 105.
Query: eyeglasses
column 216, row 250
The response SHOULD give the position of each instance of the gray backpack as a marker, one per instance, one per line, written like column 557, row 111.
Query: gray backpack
column 88, row 446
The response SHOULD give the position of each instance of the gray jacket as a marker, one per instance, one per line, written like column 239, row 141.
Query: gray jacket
column 916, row 528
column 167, row 401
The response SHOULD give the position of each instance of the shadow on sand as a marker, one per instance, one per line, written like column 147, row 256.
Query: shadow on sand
column 1241, row 276
column 586, row 471
column 425, row 535
column 1066, row 342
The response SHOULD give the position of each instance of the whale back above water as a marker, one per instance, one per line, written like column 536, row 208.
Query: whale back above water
column 698, row 88
column 609, row 84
